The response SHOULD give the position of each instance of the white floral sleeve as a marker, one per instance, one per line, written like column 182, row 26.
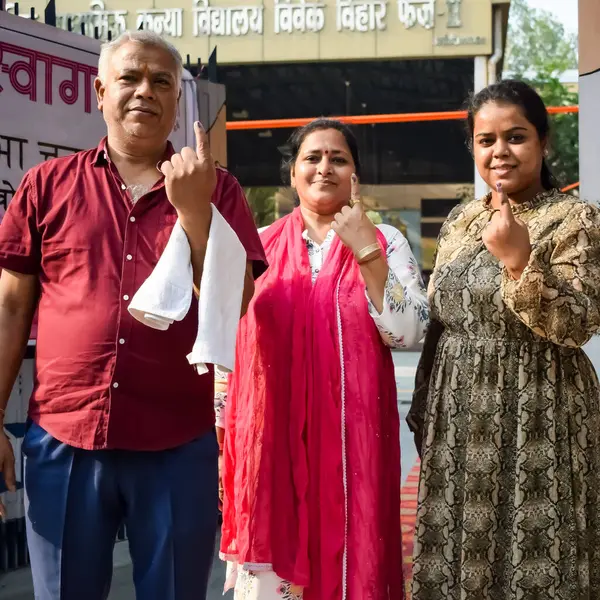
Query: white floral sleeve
column 220, row 398
column 405, row 314
column 220, row 403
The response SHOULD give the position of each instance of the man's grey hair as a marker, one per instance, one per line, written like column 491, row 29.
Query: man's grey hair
column 146, row 38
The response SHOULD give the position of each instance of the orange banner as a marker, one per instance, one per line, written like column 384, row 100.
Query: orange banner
column 455, row 115
column 570, row 187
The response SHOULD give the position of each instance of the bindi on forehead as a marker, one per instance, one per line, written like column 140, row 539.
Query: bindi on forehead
column 326, row 149
column 326, row 139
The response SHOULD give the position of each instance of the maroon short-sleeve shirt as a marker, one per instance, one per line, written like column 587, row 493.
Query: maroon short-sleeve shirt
column 104, row 380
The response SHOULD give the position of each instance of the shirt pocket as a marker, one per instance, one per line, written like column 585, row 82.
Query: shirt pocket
column 166, row 222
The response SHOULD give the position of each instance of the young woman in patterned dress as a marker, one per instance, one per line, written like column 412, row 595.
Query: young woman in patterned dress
column 311, row 462
column 506, row 410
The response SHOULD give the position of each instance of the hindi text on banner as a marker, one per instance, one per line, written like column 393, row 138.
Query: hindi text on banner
column 114, row 21
column 225, row 21
column 25, row 62
column 299, row 16
column 164, row 21
column 353, row 15
column 417, row 12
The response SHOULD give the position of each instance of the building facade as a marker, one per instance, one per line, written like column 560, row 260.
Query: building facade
column 301, row 58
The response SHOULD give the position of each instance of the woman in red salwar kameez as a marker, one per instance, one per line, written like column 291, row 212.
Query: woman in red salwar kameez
column 311, row 464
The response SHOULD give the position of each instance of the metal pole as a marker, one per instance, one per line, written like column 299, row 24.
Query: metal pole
column 212, row 67
column 50, row 13
column 480, row 81
column 348, row 84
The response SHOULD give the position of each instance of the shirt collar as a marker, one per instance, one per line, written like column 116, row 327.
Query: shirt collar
column 100, row 156
column 327, row 239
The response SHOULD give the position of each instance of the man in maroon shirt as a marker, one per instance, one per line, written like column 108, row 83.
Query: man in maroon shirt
column 121, row 427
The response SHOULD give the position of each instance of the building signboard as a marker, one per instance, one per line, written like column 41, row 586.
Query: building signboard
column 294, row 30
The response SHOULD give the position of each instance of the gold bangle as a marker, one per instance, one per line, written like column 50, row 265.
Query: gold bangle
column 370, row 258
column 366, row 251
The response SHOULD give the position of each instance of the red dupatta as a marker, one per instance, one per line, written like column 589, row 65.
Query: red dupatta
column 313, row 500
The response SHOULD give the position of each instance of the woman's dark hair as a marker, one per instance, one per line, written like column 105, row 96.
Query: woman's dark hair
column 520, row 94
column 292, row 147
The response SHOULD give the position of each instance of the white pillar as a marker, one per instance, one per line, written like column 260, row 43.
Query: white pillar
column 589, row 99
column 589, row 120
column 480, row 81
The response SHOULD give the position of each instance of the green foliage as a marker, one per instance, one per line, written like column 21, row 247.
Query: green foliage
column 537, row 43
column 539, row 51
column 375, row 217
column 263, row 205
column 564, row 143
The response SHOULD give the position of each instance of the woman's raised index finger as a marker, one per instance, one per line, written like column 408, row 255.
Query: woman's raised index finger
column 354, row 190
column 505, row 208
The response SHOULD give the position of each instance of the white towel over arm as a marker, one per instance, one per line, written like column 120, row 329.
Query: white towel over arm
column 166, row 295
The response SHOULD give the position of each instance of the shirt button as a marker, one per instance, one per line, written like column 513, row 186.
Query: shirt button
column 123, row 186
column 121, row 341
column 129, row 257
column 115, row 385
column 125, row 297
column 132, row 219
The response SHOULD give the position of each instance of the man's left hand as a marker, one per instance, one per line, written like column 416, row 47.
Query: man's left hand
column 190, row 177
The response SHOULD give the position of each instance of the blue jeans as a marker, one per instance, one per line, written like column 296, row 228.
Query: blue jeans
column 76, row 501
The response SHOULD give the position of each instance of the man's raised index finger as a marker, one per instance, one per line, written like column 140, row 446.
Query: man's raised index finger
column 202, row 145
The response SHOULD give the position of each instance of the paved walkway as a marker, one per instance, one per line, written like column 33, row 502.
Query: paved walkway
column 17, row 585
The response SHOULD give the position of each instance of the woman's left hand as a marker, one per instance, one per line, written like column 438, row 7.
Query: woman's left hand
column 352, row 225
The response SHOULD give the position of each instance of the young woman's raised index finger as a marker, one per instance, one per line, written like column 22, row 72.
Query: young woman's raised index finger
column 505, row 207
